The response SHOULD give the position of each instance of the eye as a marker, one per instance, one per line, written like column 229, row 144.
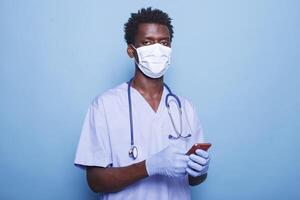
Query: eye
column 145, row 43
column 165, row 43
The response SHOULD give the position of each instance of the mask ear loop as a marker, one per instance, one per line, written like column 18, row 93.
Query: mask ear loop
column 136, row 62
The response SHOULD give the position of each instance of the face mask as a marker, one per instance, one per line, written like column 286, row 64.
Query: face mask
column 154, row 60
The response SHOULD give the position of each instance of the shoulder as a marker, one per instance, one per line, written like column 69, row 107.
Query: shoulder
column 186, row 103
column 112, row 95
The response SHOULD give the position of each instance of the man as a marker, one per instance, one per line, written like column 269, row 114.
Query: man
column 134, row 117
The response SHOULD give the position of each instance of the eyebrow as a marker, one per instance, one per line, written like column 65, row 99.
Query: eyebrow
column 152, row 38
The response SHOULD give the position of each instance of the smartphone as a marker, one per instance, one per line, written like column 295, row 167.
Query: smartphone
column 203, row 146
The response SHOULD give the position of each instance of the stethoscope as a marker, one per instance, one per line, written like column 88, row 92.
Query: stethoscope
column 133, row 151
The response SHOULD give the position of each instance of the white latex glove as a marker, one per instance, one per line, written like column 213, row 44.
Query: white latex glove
column 198, row 163
column 171, row 162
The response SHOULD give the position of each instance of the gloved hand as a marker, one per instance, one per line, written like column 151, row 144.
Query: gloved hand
column 171, row 162
column 198, row 163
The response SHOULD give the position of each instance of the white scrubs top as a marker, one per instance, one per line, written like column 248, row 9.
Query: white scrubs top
column 105, row 140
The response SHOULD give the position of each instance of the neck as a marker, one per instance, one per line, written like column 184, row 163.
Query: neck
column 146, row 85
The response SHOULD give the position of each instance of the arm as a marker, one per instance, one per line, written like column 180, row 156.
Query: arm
column 170, row 161
column 193, row 181
column 115, row 179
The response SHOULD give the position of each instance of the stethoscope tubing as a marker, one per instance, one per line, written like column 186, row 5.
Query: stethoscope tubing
column 133, row 149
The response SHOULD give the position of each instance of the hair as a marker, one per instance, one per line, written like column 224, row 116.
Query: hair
column 146, row 15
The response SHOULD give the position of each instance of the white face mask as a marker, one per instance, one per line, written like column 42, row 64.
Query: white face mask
column 154, row 60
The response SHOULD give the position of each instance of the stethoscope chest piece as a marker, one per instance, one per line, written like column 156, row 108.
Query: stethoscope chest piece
column 133, row 152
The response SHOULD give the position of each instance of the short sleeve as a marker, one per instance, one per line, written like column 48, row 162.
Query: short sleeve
column 193, row 122
column 94, row 145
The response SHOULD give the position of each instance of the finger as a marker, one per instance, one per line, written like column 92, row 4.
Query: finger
column 175, row 173
column 176, row 149
column 208, row 161
column 195, row 166
column 179, row 150
column 195, row 173
column 180, row 174
column 180, row 162
column 202, row 153
column 192, row 172
column 198, row 159
column 204, row 171
column 181, row 170
column 184, row 157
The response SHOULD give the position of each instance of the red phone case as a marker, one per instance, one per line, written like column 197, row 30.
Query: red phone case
column 203, row 146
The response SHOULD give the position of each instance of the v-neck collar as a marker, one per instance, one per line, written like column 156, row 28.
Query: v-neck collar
column 160, row 106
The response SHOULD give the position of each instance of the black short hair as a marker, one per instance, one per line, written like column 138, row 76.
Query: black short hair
column 146, row 15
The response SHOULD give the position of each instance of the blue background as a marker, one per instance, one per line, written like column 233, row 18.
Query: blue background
column 238, row 61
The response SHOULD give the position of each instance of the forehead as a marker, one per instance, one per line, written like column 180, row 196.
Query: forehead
column 152, row 30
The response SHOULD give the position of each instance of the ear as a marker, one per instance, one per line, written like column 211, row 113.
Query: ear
column 130, row 51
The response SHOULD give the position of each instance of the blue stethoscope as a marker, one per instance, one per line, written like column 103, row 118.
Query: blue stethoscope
column 133, row 151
